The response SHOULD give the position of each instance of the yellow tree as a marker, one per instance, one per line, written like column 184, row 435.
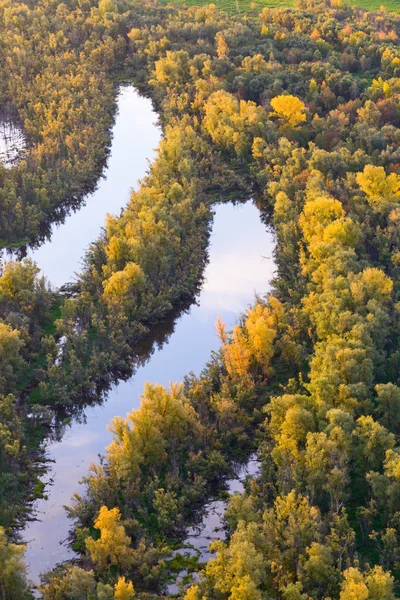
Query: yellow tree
column 193, row 593
column 379, row 187
column 252, row 343
column 374, row 585
column 123, row 285
column 13, row 582
column 233, row 124
column 113, row 547
column 288, row 108
column 124, row 590
column 222, row 46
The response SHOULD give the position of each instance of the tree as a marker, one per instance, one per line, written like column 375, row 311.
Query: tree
column 289, row 529
column 380, row 189
column 240, row 567
column 388, row 396
column 124, row 590
column 374, row 440
column 123, row 286
column 245, row 589
column 289, row 108
column 10, row 356
column 107, row 6
column 233, row 124
column 222, row 46
column 317, row 215
column 193, row 593
column 354, row 586
column 153, row 436
column 113, row 547
column 13, row 580
column 293, row 591
column 372, row 585
column 251, row 347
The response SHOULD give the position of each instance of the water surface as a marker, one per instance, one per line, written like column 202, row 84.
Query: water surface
column 12, row 142
column 240, row 264
column 238, row 267
column 135, row 137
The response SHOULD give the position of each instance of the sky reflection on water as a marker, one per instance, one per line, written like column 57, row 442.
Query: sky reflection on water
column 240, row 264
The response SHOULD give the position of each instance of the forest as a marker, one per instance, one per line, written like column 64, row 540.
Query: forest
column 298, row 108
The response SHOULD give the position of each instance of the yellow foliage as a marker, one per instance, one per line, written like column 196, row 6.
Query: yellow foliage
column 372, row 283
column 245, row 589
column 237, row 354
column 344, row 232
column 19, row 282
column 255, row 64
column 378, row 186
column 253, row 342
column 313, row 88
column 354, row 587
column 193, row 593
column 222, row 46
column 122, row 283
column 261, row 332
column 374, row 584
column 106, row 6
column 221, row 331
column 392, row 464
column 10, row 341
column 173, row 67
column 13, row 580
column 288, row 108
column 123, row 590
column 113, row 547
column 258, row 147
column 233, row 123
column 164, row 418
column 317, row 215
column 135, row 34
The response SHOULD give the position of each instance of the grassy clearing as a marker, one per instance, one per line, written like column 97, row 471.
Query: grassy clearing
column 244, row 5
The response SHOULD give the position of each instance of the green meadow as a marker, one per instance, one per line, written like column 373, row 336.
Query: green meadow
column 244, row 5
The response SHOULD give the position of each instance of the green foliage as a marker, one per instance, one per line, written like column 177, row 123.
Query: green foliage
column 244, row 6
column 300, row 109
column 57, row 63
column 13, row 580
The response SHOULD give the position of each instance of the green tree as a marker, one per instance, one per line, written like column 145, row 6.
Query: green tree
column 13, row 579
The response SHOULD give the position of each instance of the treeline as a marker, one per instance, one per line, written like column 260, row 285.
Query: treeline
column 301, row 109
column 27, row 309
column 58, row 63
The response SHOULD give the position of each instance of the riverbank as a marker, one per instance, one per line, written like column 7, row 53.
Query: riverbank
column 236, row 270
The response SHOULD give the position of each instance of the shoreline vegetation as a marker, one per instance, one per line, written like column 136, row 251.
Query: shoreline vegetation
column 299, row 109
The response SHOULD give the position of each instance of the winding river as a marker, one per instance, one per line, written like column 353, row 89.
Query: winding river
column 240, row 264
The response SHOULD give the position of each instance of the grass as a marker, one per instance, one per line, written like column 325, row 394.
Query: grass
column 244, row 5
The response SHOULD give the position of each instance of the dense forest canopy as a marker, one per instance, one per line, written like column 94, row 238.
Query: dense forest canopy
column 57, row 66
column 299, row 109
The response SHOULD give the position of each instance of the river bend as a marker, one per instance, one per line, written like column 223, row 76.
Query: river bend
column 240, row 263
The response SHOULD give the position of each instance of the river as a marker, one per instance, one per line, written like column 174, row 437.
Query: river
column 12, row 141
column 135, row 137
column 240, row 263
